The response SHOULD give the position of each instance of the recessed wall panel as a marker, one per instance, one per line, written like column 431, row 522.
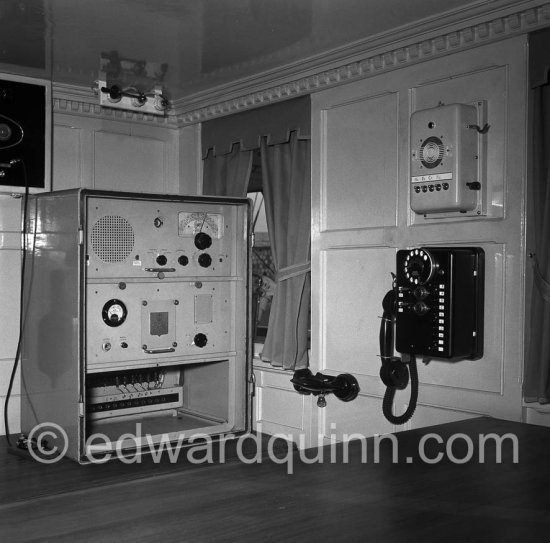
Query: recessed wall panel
column 487, row 90
column 359, row 163
column 355, row 282
column 128, row 163
column 67, row 159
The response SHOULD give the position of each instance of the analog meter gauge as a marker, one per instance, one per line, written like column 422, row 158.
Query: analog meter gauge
column 114, row 313
column 200, row 222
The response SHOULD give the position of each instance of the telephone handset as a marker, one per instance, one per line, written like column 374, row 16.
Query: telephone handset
column 436, row 308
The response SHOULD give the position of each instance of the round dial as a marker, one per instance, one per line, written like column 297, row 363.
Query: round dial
column 420, row 266
column 114, row 313
column 202, row 241
column 200, row 340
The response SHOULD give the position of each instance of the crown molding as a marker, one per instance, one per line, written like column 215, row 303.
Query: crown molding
column 466, row 28
column 471, row 28
column 83, row 101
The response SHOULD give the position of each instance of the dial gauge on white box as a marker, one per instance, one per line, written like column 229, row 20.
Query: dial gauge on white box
column 191, row 223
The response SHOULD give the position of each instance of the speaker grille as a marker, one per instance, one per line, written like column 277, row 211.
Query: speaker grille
column 432, row 152
column 112, row 238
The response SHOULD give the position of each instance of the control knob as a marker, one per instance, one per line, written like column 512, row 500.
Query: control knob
column 421, row 292
column 205, row 260
column 202, row 241
column 200, row 340
column 420, row 308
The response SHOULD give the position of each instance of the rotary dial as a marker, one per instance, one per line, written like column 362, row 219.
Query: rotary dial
column 419, row 267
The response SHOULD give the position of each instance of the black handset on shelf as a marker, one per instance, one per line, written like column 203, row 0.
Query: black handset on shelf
column 436, row 309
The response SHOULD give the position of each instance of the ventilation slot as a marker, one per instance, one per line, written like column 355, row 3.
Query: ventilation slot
column 112, row 238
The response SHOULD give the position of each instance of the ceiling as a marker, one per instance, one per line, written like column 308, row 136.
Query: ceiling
column 202, row 43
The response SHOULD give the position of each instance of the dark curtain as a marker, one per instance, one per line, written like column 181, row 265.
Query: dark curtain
column 287, row 191
column 536, row 384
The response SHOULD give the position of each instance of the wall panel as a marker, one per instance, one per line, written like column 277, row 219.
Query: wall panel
column 488, row 86
column 356, row 278
column 357, row 230
column 359, row 156
column 67, row 162
column 128, row 163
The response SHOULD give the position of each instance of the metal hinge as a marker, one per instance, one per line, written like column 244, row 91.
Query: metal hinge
column 81, row 409
column 80, row 236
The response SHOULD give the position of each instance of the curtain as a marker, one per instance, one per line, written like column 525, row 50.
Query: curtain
column 536, row 384
column 287, row 193
column 227, row 175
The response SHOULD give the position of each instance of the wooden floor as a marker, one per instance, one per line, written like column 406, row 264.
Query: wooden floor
column 379, row 500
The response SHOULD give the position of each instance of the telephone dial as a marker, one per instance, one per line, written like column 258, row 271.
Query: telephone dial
column 435, row 308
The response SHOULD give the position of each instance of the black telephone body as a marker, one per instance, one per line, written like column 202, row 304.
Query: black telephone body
column 439, row 311
column 435, row 311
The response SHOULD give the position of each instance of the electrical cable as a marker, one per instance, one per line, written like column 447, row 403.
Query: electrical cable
column 21, row 301
column 394, row 372
column 387, row 403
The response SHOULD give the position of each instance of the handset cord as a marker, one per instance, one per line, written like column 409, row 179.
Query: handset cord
column 21, row 303
column 387, row 402
column 394, row 372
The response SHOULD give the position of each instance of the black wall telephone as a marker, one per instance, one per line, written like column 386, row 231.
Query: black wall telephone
column 436, row 307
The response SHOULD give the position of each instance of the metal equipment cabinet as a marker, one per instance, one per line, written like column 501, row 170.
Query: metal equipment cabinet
column 136, row 319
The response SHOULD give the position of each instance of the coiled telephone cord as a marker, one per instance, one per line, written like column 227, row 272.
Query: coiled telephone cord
column 387, row 403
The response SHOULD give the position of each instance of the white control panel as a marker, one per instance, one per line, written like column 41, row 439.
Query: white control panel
column 445, row 163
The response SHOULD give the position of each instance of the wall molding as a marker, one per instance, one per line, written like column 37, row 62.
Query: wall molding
column 82, row 101
column 422, row 42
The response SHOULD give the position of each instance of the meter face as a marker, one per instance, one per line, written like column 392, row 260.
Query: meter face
column 114, row 313
column 190, row 224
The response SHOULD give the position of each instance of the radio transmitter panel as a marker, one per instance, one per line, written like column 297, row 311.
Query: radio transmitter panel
column 137, row 319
